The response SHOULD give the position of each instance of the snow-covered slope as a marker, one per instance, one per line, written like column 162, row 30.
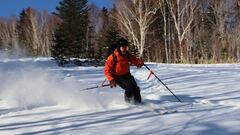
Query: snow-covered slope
column 38, row 97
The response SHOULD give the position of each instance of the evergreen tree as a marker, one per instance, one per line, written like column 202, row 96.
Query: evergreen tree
column 70, row 36
column 26, row 31
column 111, row 38
column 108, row 36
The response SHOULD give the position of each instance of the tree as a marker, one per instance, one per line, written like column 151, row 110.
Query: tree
column 134, row 18
column 70, row 36
column 223, row 20
column 8, row 35
column 108, row 35
column 162, row 5
column 46, row 26
column 27, row 32
column 101, row 38
column 182, row 13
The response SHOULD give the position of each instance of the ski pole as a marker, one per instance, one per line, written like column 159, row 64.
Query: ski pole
column 162, row 82
column 90, row 88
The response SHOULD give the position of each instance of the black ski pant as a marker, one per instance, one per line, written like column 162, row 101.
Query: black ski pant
column 132, row 91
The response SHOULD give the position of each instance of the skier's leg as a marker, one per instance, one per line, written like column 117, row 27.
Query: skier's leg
column 128, row 96
column 124, row 84
column 135, row 90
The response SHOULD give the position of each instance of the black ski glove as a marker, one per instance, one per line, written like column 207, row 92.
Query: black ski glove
column 113, row 83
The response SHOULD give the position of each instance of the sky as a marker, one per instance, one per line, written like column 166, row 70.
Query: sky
column 14, row 7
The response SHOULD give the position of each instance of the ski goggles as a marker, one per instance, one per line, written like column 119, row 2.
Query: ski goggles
column 124, row 48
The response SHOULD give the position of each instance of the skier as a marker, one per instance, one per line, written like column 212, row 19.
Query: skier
column 117, row 71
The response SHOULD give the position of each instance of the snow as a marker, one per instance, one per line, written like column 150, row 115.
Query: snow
column 38, row 97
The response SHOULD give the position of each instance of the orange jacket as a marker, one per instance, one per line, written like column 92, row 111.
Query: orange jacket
column 122, row 65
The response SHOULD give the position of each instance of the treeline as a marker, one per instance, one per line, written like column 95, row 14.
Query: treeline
column 30, row 35
column 168, row 31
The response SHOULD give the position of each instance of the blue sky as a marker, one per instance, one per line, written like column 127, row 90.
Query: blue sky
column 11, row 7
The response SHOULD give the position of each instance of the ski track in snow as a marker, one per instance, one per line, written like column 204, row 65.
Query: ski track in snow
column 37, row 97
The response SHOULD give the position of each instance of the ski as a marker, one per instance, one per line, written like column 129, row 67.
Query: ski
column 159, row 109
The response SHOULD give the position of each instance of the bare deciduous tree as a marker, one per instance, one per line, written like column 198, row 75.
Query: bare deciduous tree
column 182, row 13
column 163, row 6
column 35, row 31
column 219, row 21
column 8, row 36
column 134, row 18
column 46, row 26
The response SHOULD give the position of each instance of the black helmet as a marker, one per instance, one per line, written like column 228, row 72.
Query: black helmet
column 123, row 42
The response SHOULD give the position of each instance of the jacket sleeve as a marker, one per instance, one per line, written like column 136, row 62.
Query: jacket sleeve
column 108, row 69
column 134, row 60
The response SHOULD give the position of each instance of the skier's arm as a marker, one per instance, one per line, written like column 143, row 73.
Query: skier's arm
column 136, row 61
column 108, row 69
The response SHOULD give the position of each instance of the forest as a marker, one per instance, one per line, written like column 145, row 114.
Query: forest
column 163, row 31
